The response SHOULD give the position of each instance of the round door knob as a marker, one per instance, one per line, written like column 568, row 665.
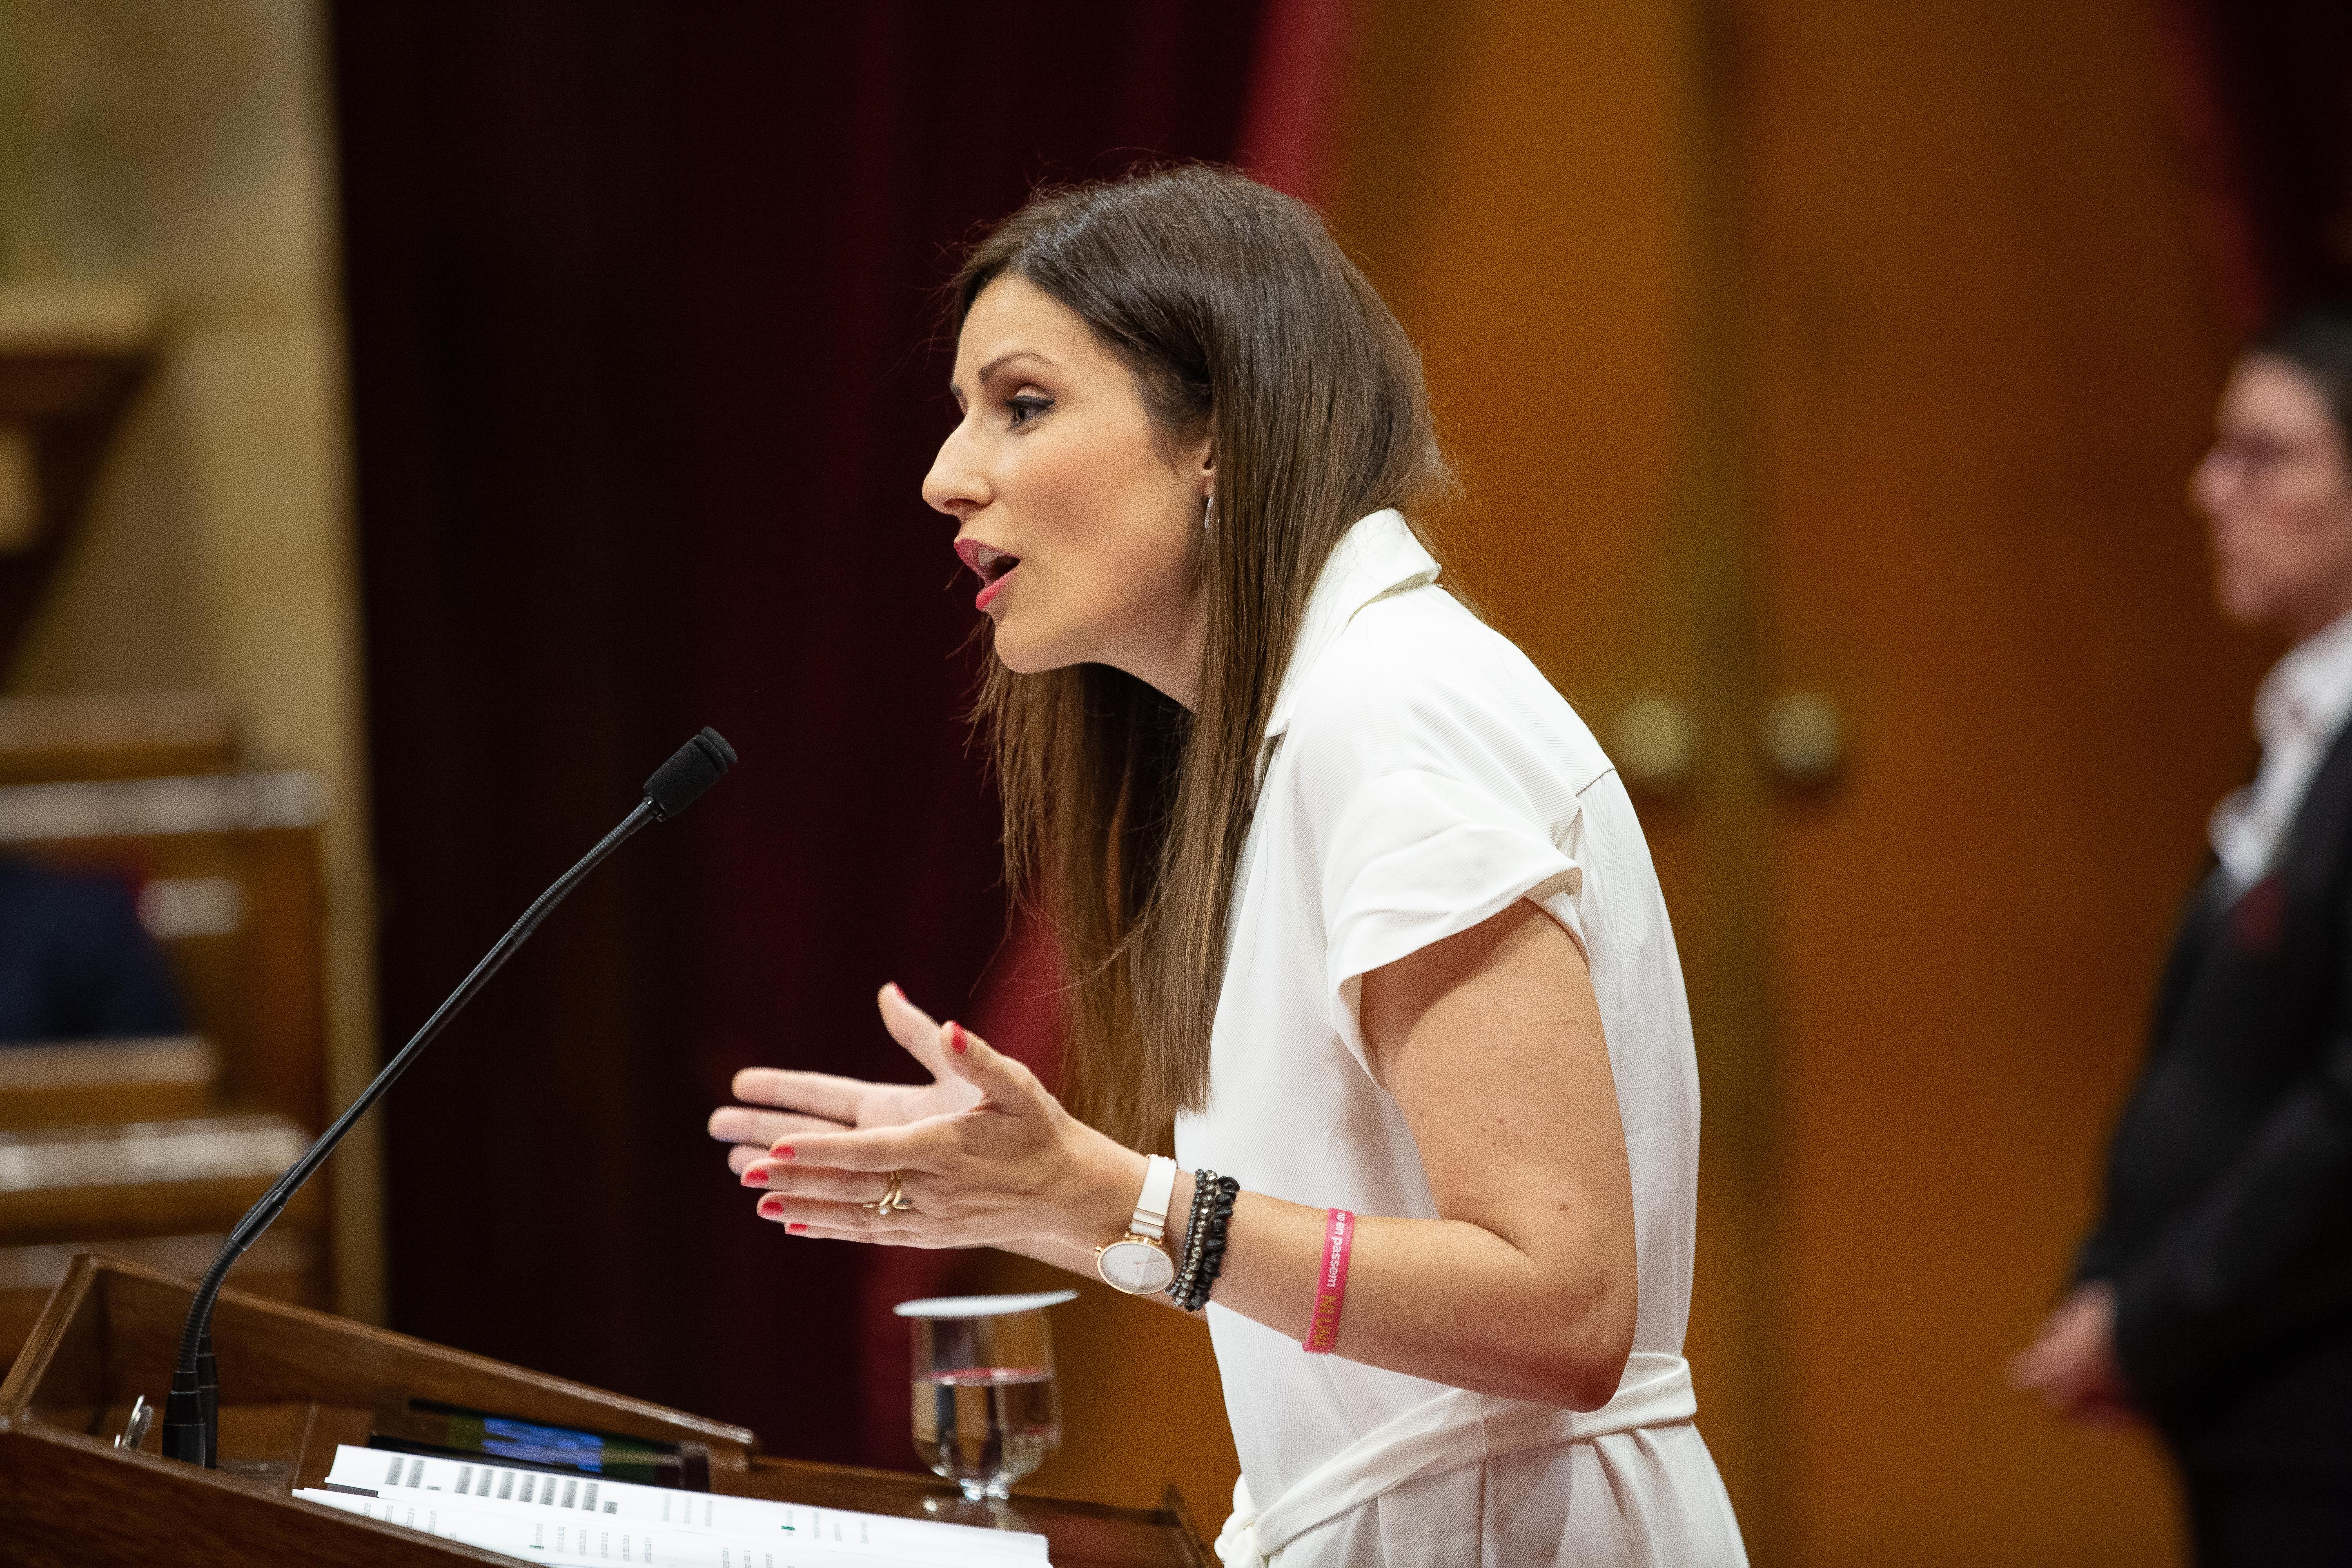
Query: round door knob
column 1804, row 736
column 1654, row 743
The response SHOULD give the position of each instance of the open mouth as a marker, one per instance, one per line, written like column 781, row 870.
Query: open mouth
column 990, row 564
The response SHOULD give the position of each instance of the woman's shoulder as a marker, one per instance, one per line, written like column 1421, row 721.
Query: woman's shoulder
column 1416, row 681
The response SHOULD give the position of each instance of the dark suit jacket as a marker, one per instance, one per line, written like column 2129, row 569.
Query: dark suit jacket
column 75, row 962
column 2227, row 1231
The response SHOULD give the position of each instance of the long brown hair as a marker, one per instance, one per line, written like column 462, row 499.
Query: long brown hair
column 1124, row 814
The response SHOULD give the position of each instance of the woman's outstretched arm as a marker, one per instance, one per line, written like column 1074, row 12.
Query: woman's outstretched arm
column 1491, row 1043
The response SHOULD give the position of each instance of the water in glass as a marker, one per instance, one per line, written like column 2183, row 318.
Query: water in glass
column 985, row 1410
column 985, row 1428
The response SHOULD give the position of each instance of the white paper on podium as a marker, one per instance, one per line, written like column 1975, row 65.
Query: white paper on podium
column 842, row 1534
column 579, row 1540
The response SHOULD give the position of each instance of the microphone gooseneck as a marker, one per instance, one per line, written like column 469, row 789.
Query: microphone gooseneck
column 190, row 1412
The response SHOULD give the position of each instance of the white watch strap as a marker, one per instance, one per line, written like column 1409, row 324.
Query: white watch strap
column 1151, row 1208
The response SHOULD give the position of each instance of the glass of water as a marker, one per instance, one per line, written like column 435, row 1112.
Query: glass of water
column 985, row 1410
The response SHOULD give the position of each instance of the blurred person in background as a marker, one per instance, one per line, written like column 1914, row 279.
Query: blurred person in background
column 75, row 962
column 2213, row 1299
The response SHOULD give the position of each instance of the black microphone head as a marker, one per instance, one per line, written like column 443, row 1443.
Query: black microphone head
column 679, row 781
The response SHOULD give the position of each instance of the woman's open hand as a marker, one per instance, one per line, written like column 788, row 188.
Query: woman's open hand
column 822, row 1102
column 999, row 1163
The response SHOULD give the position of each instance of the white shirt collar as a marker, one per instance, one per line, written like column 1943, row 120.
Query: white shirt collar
column 2300, row 706
column 2307, row 695
column 1376, row 557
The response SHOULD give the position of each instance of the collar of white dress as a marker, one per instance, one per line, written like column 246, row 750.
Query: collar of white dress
column 1376, row 557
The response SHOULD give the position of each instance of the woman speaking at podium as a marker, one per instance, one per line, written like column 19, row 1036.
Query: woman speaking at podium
column 1347, row 893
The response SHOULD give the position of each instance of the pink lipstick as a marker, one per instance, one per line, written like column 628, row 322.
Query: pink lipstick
column 992, row 565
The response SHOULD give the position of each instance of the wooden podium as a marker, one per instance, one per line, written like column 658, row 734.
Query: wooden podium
column 296, row 1383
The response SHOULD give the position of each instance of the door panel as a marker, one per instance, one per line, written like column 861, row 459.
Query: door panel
column 1861, row 350
column 1981, row 359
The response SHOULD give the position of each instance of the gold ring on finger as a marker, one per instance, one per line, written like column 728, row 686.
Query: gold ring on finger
column 893, row 1198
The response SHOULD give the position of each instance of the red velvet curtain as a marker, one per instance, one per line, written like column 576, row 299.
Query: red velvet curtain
column 642, row 301
column 2263, row 103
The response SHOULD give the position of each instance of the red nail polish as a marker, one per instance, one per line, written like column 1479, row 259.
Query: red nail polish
column 770, row 1207
column 755, row 1177
column 782, row 1154
column 796, row 1230
column 958, row 1039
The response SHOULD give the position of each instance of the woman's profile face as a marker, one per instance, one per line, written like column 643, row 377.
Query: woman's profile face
column 2277, row 491
column 1079, row 525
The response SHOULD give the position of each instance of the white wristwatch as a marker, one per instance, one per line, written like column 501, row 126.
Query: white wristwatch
column 1136, row 1263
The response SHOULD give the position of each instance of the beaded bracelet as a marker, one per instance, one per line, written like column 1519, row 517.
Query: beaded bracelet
column 1204, row 1275
column 1188, row 1261
column 1212, row 1242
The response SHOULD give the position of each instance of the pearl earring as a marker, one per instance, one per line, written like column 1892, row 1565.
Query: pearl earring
column 1209, row 514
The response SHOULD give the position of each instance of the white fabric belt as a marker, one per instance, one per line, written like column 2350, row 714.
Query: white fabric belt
column 1455, row 1428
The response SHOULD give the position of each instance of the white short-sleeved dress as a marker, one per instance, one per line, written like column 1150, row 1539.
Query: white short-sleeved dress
column 1421, row 776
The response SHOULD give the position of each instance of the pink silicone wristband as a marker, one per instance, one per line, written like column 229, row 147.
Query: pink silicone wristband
column 1331, row 1284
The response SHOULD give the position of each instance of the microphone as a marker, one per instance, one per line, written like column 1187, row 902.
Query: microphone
column 191, row 1414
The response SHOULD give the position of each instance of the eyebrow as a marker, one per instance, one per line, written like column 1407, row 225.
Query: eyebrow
column 999, row 362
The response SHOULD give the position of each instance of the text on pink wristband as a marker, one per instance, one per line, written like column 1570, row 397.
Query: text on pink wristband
column 1331, row 1284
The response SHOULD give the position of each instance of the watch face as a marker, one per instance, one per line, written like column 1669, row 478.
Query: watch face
column 1135, row 1267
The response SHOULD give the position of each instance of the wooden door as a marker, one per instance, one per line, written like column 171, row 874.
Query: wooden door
column 1983, row 355
column 1859, row 350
